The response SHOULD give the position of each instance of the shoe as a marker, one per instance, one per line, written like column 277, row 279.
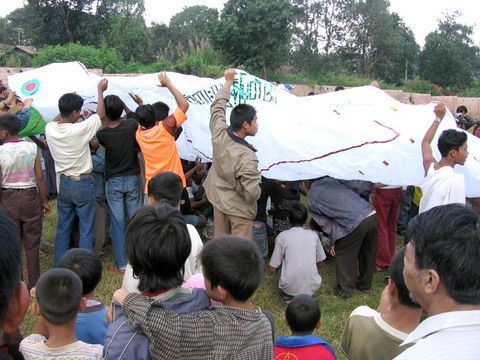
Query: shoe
column 362, row 288
column 113, row 269
column 341, row 293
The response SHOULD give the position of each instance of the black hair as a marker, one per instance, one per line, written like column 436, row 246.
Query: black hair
column 10, row 262
column 303, row 314
column 446, row 238
column 59, row 292
column 462, row 109
column 157, row 244
column 68, row 103
column 161, row 110
column 113, row 107
column 297, row 213
column 166, row 186
column 339, row 88
column 240, row 114
column 396, row 275
column 10, row 123
column 234, row 263
column 2, row 88
column 145, row 115
column 86, row 265
column 451, row 139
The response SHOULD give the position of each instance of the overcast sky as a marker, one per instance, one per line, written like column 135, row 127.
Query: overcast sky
column 419, row 15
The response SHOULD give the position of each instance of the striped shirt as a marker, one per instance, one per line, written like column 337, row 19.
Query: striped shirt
column 446, row 336
column 33, row 347
column 221, row 332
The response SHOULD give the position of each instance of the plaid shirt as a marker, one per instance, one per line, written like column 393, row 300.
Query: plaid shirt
column 221, row 332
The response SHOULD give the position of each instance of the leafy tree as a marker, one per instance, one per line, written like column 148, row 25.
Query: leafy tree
column 255, row 33
column 449, row 56
column 193, row 22
column 378, row 44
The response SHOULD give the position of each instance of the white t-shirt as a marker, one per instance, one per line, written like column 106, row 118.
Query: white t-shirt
column 33, row 348
column 68, row 144
column 192, row 266
column 298, row 251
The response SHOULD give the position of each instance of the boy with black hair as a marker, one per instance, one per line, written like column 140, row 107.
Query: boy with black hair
column 14, row 298
column 156, row 137
column 91, row 324
column 442, row 185
column 68, row 142
column 156, row 235
column 378, row 334
column 21, row 175
column 59, row 299
column 233, row 182
column 233, row 270
column 166, row 187
column 121, row 173
column 303, row 317
column 299, row 252
column 161, row 112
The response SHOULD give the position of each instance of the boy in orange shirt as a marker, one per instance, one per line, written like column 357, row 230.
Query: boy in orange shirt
column 156, row 137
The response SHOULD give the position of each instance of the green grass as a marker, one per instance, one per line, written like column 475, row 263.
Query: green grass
column 334, row 311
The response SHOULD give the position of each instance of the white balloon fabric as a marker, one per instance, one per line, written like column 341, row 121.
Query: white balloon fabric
column 360, row 133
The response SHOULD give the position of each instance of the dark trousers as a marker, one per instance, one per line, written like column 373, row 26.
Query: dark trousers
column 355, row 256
column 25, row 208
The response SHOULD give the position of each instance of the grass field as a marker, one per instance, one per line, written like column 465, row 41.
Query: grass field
column 335, row 311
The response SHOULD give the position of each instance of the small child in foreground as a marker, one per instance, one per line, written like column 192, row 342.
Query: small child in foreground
column 298, row 251
column 59, row 299
column 233, row 270
column 91, row 324
column 303, row 316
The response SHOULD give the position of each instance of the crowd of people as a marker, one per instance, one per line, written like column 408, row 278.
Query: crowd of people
column 186, row 293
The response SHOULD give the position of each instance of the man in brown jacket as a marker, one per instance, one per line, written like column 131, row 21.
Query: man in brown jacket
column 233, row 182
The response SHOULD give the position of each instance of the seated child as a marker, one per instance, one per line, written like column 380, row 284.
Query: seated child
column 59, row 299
column 299, row 252
column 92, row 321
column 157, row 244
column 303, row 316
column 233, row 270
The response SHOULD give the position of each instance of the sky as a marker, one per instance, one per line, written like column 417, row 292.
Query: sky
column 419, row 15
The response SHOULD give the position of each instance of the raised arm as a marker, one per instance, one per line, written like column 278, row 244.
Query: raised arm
column 101, row 87
column 218, row 107
column 179, row 98
column 427, row 154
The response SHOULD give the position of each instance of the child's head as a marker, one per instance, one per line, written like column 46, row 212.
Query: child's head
column 396, row 276
column 303, row 314
column 59, row 295
column 161, row 110
column 297, row 214
column 165, row 186
column 113, row 107
column 70, row 103
column 145, row 115
column 232, row 266
column 9, row 126
column 157, row 244
column 86, row 265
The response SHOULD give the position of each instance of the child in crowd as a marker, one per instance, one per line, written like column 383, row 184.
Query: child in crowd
column 299, row 252
column 233, row 270
column 167, row 187
column 303, row 316
column 157, row 244
column 156, row 137
column 21, row 176
column 59, row 299
column 92, row 321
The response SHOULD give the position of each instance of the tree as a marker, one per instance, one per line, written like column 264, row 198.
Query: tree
column 193, row 22
column 255, row 33
column 378, row 44
column 449, row 56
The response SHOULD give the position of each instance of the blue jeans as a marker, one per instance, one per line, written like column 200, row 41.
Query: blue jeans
column 75, row 197
column 259, row 236
column 123, row 201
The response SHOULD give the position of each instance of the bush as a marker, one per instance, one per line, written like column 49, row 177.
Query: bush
column 421, row 87
column 203, row 62
column 104, row 58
